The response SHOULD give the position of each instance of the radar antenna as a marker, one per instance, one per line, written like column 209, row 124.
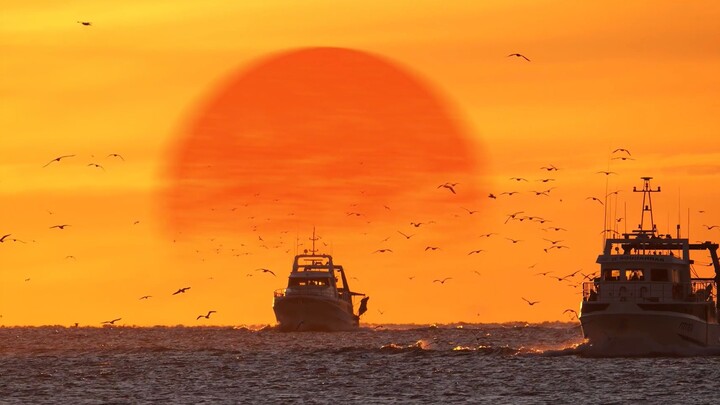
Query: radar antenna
column 647, row 208
column 313, row 239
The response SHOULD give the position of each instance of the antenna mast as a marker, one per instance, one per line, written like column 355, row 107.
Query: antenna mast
column 313, row 239
column 647, row 192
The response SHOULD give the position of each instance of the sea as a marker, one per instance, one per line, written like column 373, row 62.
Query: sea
column 515, row 363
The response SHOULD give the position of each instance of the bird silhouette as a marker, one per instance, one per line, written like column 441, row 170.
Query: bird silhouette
column 431, row 248
column 57, row 159
column 530, row 302
column 514, row 240
column 144, row 297
column 383, row 251
column 491, row 195
column 622, row 158
column 205, row 316
column 96, row 165
column 709, row 227
column 405, row 235
column 607, row 173
column 621, row 150
column 518, row 178
column 572, row 311
column 595, row 199
column 470, row 211
column 85, row 23
column 115, row 155
column 448, row 186
column 3, row 238
column 111, row 322
column 554, row 242
column 475, row 251
column 519, row 55
column 181, row 290
column 59, row 226
column 443, row 280
column 513, row 215
column 549, row 168
column 264, row 270
column 416, row 224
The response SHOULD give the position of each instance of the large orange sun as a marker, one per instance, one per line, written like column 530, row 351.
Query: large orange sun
column 317, row 136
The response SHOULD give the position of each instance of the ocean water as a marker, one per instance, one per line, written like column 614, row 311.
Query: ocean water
column 474, row 363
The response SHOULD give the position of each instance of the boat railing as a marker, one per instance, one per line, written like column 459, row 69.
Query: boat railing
column 314, row 291
column 648, row 292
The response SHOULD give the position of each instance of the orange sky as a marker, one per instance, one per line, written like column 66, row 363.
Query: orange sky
column 640, row 75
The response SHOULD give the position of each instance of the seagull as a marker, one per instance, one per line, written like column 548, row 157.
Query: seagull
column 115, row 155
column 544, row 273
column 549, row 168
column 383, row 251
column 111, row 322
column 475, row 251
column 621, row 150
column 71, row 257
column 431, row 248
column 554, row 242
column 491, row 195
column 510, row 193
column 514, row 240
column 85, row 23
column 605, row 172
column 519, row 55
column 595, row 199
column 622, row 158
column 512, row 216
column 264, row 270
column 59, row 226
column 57, row 159
column 144, row 297
column 96, row 165
column 448, row 186
column 470, row 211
column 530, row 302
column 518, row 178
column 443, row 280
column 406, row 236
column 181, row 290
column 3, row 238
column 572, row 311
column 709, row 227
column 554, row 228
column 205, row 316
column 416, row 224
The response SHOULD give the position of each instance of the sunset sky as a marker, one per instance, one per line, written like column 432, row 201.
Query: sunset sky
column 242, row 125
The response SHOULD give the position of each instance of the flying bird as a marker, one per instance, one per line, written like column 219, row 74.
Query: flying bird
column 518, row 178
column 709, row 227
column 475, row 251
column 549, row 168
column 264, row 270
column 181, row 290
column 59, row 226
column 519, row 55
column 3, row 238
column 205, row 316
column 85, row 23
column 111, row 322
column 443, row 280
column 621, row 150
column 448, row 186
column 513, row 215
column 115, row 155
column 514, row 240
column 144, row 297
column 572, row 311
column 57, row 159
column 607, row 173
column 383, row 251
column 595, row 199
column 530, row 302
column 491, row 195
column 470, row 211
column 431, row 248
column 622, row 158
column 96, row 165
column 405, row 235
column 416, row 224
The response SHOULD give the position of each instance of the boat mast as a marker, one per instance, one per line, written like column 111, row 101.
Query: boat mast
column 647, row 192
column 313, row 239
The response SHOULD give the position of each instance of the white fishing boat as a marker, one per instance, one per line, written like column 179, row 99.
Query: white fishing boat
column 646, row 299
column 317, row 297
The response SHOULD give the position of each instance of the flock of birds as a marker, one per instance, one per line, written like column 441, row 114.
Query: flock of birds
column 619, row 154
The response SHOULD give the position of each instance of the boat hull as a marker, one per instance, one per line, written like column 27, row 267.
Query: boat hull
column 313, row 313
column 625, row 329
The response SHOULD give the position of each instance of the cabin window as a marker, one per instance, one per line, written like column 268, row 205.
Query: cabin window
column 611, row 274
column 675, row 276
column 634, row 274
column 659, row 275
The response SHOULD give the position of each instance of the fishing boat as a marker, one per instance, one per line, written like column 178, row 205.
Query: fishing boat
column 647, row 298
column 317, row 297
